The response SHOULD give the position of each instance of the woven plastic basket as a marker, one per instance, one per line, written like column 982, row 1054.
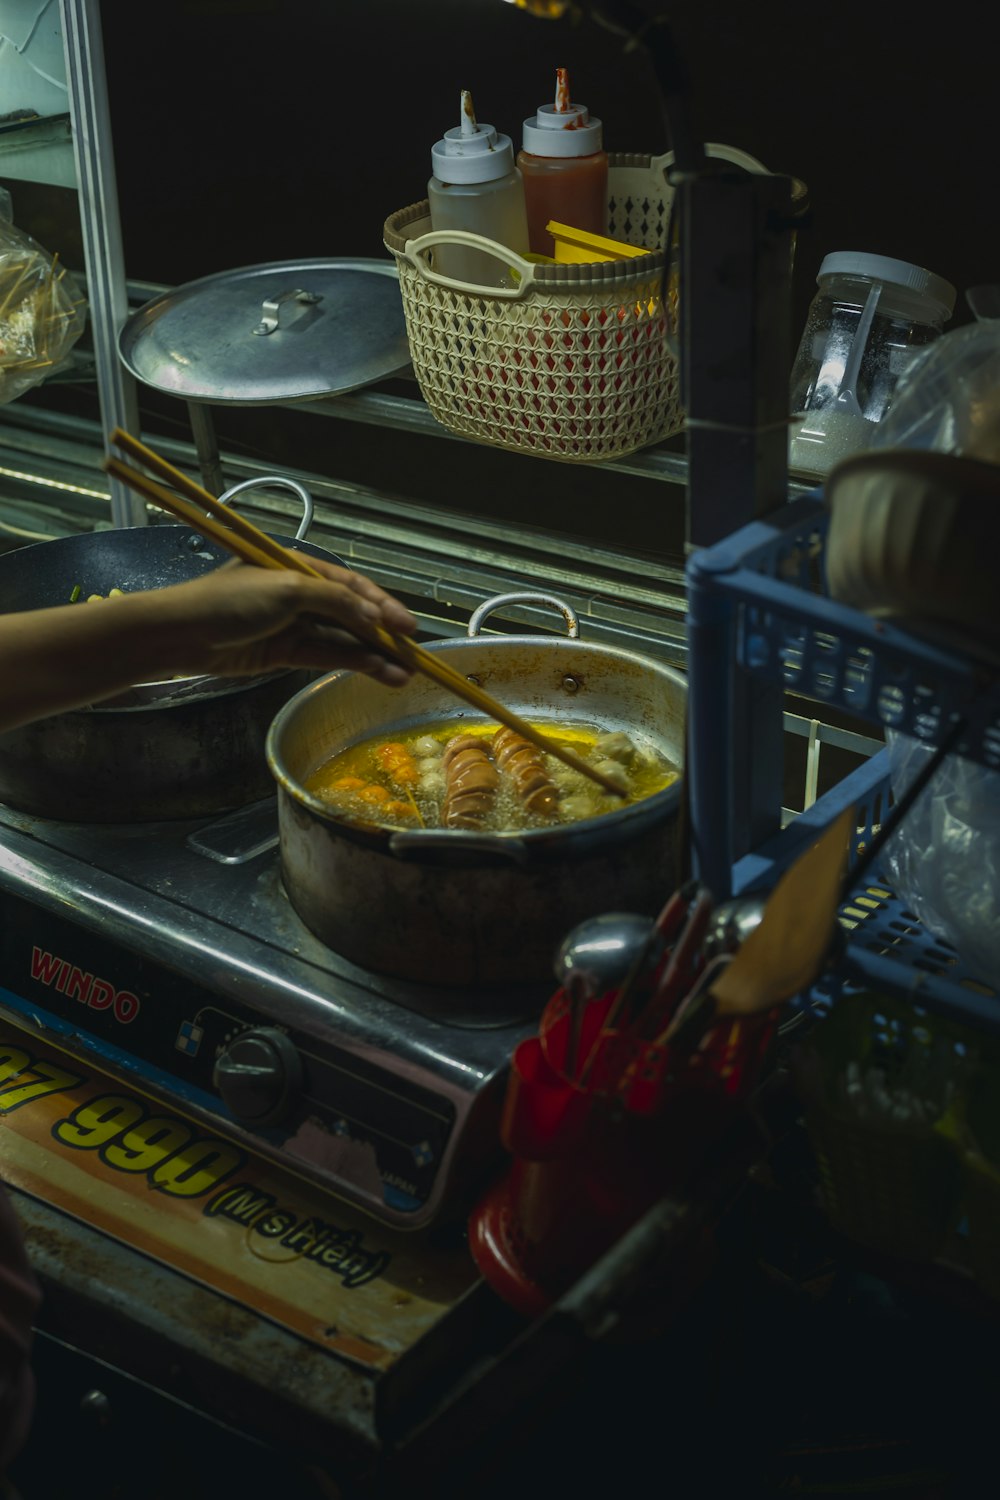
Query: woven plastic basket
column 571, row 362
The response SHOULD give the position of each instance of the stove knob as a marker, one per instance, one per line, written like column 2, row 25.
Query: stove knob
column 259, row 1075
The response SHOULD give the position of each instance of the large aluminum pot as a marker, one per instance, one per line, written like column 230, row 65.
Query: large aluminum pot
column 450, row 907
column 177, row 749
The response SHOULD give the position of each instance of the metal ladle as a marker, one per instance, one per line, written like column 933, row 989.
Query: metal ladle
column 731, row 923
column 592, row 959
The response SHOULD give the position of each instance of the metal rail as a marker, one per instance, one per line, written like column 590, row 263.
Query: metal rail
column 101, row 228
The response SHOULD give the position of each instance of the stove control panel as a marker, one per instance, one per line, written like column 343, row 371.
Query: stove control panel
column 354, row 1122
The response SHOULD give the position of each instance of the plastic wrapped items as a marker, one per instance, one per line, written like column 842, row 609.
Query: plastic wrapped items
column 879, row 1084
column 41, row 313
column 949, row 399
column 945, row 859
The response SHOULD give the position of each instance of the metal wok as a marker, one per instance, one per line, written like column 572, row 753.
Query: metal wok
column 182, row 748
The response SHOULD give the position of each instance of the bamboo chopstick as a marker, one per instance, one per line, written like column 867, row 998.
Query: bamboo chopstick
column 205, row 514
column 203, row 500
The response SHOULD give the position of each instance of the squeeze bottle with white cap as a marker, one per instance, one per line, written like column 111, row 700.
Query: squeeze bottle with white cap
column 476, row 187
column 565, row 169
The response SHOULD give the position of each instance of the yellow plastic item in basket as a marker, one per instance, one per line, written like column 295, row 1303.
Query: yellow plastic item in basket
column 573, row 245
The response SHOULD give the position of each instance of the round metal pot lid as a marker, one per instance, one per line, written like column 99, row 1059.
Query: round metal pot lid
column 287, row 331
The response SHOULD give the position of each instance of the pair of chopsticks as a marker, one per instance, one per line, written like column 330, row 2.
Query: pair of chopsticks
column 218, row 523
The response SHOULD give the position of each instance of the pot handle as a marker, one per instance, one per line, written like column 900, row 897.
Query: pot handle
column 289, row 484
column 455, row 843
column 568, row 613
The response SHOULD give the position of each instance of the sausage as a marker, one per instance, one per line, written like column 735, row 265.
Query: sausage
column 471, row 782
column 519, row 759
column 460, row 742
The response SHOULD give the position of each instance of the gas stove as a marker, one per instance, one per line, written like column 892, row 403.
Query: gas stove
column 170, row 954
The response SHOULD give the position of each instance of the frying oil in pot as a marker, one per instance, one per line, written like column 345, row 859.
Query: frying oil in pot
column 455, row 775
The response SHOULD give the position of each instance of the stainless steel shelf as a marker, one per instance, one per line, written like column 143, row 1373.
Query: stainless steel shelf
column 410, row 414
column 52, row 483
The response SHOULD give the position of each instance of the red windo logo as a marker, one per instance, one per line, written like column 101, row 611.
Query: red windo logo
column 77, row 984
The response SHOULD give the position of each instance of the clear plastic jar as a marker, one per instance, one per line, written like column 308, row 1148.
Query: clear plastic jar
column 868, row 319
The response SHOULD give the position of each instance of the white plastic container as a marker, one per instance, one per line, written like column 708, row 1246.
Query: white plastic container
column 476, row 187
column 867, row 321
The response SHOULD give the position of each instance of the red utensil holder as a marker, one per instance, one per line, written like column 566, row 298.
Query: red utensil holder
column 589, row 1158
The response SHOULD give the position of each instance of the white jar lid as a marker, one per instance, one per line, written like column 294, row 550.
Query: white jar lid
column 896, row 272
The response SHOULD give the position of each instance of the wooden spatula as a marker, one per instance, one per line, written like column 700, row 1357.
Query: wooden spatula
column 785, row 952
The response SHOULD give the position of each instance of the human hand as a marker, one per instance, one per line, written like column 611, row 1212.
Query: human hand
column 236, row 621
column 240, row 620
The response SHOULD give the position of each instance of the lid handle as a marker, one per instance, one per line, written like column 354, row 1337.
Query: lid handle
column 271, row 307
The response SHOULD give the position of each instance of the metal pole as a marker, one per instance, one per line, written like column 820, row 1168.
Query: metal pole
column 736, row 266
column 736, row 278
column 101, row 227
column 206, row 446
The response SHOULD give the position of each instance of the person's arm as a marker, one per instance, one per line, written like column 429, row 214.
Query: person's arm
column 235, row 621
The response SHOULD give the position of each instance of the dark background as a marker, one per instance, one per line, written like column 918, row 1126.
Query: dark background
column 255, row 130
column 250, row 131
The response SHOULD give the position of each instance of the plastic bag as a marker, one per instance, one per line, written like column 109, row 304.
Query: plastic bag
column 945, row 860
column 42, row 313
column 948, row 400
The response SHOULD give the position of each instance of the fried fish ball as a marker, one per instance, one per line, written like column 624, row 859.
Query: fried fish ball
column 615, row 772
column 427, row 747
column 580, row 805
column 432, row 783
column 615, row 745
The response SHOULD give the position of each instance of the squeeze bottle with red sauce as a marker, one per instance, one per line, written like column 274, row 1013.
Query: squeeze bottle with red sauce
column 476, row 187
column 565, row 169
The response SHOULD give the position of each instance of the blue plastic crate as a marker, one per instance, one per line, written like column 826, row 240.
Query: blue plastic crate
column 757, row 605
column 887, row 949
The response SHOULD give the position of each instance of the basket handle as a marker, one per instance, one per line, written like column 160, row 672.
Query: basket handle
column 731, row 154
column 413, row 251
